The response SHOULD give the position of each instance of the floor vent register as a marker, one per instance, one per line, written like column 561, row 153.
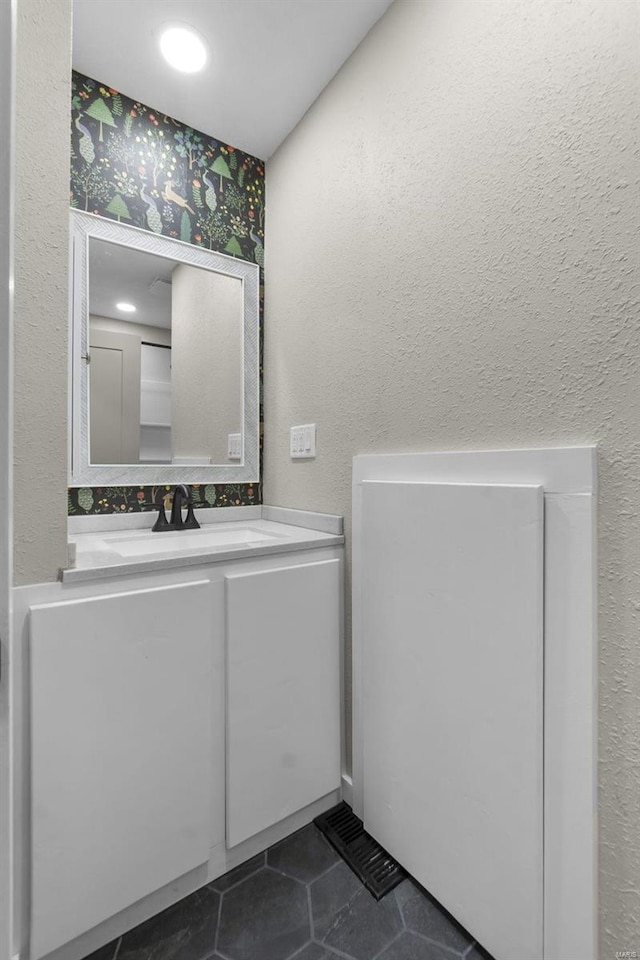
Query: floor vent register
column 379, row 872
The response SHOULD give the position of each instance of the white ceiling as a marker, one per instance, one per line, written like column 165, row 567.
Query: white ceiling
column 269, row 59
column 118, row 273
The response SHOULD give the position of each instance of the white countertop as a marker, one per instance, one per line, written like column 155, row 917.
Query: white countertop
column 107, row 553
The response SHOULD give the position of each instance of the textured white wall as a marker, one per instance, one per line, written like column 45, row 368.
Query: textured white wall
column 452, row 251
column 43, row 82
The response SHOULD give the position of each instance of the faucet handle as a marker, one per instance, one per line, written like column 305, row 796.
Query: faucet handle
column 190, row 522
column 161, row 523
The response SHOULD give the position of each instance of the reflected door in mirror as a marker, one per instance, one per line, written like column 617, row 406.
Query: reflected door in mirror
column 114, row 380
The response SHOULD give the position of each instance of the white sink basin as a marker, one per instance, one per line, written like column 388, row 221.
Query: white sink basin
column 147, row 544
column 93, row 553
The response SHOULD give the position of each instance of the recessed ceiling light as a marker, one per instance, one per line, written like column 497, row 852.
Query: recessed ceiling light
column 126, row 307
column 183, row 48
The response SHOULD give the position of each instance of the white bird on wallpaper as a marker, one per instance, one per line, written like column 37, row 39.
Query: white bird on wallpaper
column 171, row 196
column 210, row 193
column 258, row 248
column 87, row 150
column 153, row 217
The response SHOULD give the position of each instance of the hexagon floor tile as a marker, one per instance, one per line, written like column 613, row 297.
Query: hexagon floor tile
column 424, row 916
column 299, row 901
column 304, row 855
column 266, row 917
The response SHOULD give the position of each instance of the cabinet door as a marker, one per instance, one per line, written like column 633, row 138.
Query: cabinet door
column 121, row 744
column 283, row 693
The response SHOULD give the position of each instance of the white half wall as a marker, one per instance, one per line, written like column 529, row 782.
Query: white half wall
column 7, row 124
column 568, row 479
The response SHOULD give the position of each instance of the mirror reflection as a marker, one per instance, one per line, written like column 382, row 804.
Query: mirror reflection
column 165, row 349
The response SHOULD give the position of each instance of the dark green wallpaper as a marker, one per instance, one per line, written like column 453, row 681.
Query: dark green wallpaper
column 134, row 164
column 85, row 500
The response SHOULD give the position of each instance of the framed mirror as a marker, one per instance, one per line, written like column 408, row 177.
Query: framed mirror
column 164, row 360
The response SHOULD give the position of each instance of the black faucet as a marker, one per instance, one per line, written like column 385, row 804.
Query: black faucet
column 181, row 496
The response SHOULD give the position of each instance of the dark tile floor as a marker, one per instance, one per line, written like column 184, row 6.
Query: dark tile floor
column 299, row 901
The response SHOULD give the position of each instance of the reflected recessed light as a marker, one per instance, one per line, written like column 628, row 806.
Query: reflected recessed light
column 126, row 307
column 183, row 49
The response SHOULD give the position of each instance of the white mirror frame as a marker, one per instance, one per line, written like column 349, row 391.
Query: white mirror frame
column 83, row 473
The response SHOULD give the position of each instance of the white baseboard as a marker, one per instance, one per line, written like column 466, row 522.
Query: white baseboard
column 347, row 789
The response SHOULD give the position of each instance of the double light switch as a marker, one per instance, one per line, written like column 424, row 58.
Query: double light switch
column 303, row 441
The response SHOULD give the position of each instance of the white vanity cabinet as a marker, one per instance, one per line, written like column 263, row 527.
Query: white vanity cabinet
column 176, row 723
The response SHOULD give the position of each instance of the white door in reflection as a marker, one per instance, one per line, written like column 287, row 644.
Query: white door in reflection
column 114, row 396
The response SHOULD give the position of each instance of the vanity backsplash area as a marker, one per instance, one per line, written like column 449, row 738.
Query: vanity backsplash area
column 159, row 178
column 85, row 501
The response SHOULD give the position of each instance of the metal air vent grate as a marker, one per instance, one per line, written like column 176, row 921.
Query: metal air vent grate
column 379, row 872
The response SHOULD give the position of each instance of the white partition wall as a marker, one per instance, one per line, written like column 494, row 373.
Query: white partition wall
column 474, row 687
column 7, row 111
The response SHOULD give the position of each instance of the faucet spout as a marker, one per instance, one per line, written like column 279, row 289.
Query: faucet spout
column 182, row 496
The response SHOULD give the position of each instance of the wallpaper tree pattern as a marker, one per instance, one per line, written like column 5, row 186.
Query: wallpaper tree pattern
column 134, row 164
column 86, row 500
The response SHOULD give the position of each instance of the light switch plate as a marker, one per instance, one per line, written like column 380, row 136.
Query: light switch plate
column 302, row 443
column 234, row 451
